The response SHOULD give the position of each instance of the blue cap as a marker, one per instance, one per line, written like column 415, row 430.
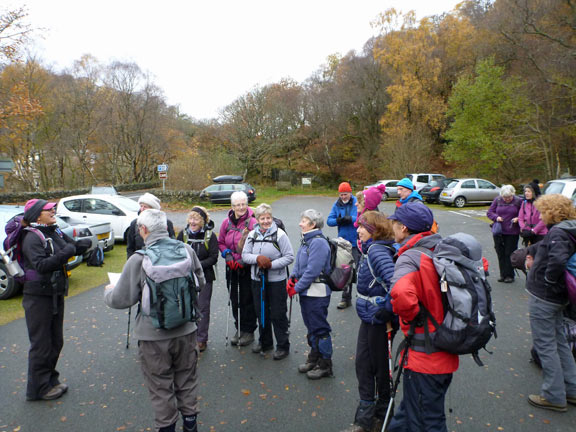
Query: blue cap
column 415, row 216
column 405, row 182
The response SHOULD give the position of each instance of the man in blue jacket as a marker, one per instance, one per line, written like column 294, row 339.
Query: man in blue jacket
column 343, row 215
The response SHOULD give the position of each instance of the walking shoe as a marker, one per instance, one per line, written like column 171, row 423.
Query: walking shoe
column 266, row 350
column 234, row 339
column 508, row 280
column 356, row 428
column 190, row 424
column 62, row 386
column 256, row 349
column 171, row 428
column 202, row 346
column 377, row 425
column 501, row 279
column 245, row 338
column 280, row 354
column 540, row 402
column 344, row 304
column 53, row 393
column 321, row 370
column 311, row 362
column 571, row 400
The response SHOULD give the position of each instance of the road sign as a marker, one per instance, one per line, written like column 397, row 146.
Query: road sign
column 163, row 175
column 162, row 168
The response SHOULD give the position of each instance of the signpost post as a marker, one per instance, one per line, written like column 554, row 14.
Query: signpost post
column 163, row 174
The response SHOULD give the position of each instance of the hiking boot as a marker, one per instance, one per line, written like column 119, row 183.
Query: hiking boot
column 264, row 350
column 311, row 362
column 321, row 370
column 344, row 304
column 62, row 386
column 190, row 424
column 245, row 338
column 202, row 346
column 280, row 354
column 171, row 428
column 256, row 349
column 54, row 393
column 356, row 428
column 540, row 402
column 508, row 280
column 571, row 400
column 377, row 424
column 234, row 339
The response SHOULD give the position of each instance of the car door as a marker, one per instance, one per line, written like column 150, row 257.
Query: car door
column 469, row 190
column 98, row 211
column 486, row 191
column 391, row 188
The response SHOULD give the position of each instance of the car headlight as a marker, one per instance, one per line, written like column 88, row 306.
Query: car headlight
column 82, row 232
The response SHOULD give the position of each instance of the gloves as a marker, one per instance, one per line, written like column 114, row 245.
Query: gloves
column 225, row 253
column 346, row 220
column 68, row 251
column 82, row 246
column 290, row 283
column 234, row 265
column 263, row 262
column 384, row 315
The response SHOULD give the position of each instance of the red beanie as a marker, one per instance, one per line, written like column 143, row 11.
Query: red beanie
column 344, row 187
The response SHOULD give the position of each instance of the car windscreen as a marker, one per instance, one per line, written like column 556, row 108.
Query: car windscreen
column 554, row 188
column 127, row 203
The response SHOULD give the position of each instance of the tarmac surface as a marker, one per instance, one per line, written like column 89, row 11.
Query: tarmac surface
column 242, row 391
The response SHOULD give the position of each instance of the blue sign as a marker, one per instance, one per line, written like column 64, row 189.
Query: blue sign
column 162, row 168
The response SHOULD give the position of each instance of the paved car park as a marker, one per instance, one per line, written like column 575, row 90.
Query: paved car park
column 241, row 391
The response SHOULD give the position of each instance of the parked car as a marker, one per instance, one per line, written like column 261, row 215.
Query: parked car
column 391, row 190
column 421, row 180
column 102, row 233
column 565, row 186
column 8, row 287
column 117, row 210
column 469, row 191
column 431, row 192
column 220, row 192
column 103, row 190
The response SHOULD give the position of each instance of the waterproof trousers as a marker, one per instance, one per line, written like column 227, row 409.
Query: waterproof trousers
column 315, row 316
column 204, row 298
column 505, row 245
column 275, row 314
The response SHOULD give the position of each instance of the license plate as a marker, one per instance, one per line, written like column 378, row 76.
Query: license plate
column 103, row 236
column 444, row 194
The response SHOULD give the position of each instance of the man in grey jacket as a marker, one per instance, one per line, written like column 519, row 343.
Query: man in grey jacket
column 168, row 357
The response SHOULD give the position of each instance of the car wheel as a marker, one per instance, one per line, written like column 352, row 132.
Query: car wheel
column 385, row 197
column 8, row 286
column 460, row 202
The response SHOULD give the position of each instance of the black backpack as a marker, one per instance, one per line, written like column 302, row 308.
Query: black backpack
column 96, row 257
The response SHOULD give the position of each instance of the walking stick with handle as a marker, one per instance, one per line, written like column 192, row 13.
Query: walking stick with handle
column 128, row 332
column 262, row 302
column 395, row 388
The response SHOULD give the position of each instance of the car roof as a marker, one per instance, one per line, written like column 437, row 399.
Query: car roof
column 117, row 199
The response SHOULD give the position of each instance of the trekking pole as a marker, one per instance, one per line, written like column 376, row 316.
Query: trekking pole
column 389, row 332
column 238, row 309
column 228, row 282
column 394, row 389
column 262, row 310
column 128, row 332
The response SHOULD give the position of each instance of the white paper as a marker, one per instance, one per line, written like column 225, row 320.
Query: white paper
column 114, row 278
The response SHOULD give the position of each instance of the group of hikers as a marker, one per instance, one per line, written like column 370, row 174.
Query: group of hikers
column 397, row 284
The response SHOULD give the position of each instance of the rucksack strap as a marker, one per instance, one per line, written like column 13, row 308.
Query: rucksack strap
column 378, row 278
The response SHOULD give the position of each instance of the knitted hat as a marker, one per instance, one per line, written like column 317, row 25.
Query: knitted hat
column 415, row 216
column 150, row 200
column 373, row 196
column 34, row 207
column 344, row 187
column 406, row 182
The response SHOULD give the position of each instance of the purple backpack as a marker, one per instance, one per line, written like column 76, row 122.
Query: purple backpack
column 13, row 242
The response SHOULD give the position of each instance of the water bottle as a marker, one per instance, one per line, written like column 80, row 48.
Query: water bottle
column 12, row 267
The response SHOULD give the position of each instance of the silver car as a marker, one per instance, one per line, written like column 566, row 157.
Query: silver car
column 469, row 191
column 391, row 189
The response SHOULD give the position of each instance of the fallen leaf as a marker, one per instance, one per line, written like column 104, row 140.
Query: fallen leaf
column 246, row 392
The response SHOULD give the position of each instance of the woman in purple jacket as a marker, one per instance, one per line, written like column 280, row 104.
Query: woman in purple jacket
column 504, row 211
column 532, row 228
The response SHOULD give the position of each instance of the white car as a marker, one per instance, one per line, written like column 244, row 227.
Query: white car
column 565, row 186
column 391, row 189
column 421, row 180
column 118, row 210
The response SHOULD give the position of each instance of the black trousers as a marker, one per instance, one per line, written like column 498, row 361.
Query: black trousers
column 372, row 365
column 347, row 292
column 505, row 245
column 241, row 291
column 275, row 313
column 46, row 334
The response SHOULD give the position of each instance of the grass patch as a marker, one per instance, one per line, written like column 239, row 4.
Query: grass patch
column 83, row 278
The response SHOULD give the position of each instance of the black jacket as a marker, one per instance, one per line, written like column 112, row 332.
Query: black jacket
column 546, row 277
column 208, row 256
column 134, row 240
column 49, row 261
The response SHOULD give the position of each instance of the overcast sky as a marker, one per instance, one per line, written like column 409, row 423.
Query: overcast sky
column 204, row 54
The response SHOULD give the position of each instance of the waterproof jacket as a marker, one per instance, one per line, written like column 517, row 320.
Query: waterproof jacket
column 414, row 196
column 49, row 260
column 274, row 244
column 529, row 218
column 231, row 232
column 546, row 277
column 507, row 211
column 206, row 249
column 128, row 292
column 134, row 240
column 340, row 210
column 312, row 259
column 416, row 281
column 380, row 253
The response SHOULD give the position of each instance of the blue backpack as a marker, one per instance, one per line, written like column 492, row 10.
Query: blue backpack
column 96, row 257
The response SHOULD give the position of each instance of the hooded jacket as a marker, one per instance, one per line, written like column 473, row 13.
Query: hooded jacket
column 274, row 244
column 231, row 232
column 206, row 250
column 416, row 281
column 382, row 263
column 128, row 292
column 312, row 259
column 546, row 277
column 340, row 210
column 134, row 240
column 529, row 218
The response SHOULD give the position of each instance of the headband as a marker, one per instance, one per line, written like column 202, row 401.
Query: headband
column 201, row 213
column 370, row 228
